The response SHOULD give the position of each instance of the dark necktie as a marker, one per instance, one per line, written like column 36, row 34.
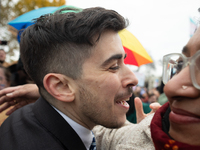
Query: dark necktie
column 93, row 145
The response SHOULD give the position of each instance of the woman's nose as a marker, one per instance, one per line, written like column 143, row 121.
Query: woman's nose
column 180, row 85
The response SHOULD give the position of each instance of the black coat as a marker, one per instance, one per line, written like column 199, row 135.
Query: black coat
column 38, row 126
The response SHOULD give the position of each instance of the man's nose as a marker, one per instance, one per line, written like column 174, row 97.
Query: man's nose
column 128, row 78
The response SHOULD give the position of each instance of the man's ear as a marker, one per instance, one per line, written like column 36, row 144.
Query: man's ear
column 59, row 86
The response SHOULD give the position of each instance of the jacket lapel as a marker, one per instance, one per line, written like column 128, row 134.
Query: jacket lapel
column 57, row 125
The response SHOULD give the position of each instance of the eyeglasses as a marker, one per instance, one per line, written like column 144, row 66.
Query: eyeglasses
column 175, row 62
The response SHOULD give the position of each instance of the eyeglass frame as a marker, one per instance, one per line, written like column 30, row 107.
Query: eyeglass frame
column 186, row 61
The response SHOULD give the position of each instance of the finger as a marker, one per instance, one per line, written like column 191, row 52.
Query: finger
column 13, row 94
column 7, row 90
column 10, row 91
column 139, row 109
column 4, row 107
column 10, row 111
column 13, row 102
column 7, row 95
column 17, row 106
column 3, row 99
column 8, row 104
column 6, row 98
column 154, row 106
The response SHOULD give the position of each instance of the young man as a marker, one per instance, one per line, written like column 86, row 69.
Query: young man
column 77, row 61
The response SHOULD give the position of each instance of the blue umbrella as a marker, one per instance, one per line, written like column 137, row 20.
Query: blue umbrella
column 26, row 19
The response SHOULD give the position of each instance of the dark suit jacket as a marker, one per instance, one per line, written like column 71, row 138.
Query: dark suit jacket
column 38, row 126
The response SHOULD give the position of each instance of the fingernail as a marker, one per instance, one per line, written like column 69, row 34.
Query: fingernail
column 9, row 94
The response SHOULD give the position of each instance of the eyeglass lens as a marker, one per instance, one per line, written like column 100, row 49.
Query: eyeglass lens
column 174, row 63
column 197, row 69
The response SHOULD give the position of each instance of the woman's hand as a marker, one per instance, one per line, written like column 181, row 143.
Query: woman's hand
column 140, row 115
column 18, row 97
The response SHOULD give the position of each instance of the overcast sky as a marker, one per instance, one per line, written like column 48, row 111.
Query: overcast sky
column 162, row 26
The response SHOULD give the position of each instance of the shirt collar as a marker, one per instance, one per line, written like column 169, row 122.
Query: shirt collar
column 84, row 133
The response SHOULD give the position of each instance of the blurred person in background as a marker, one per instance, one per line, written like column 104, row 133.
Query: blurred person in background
column 137, row 91
column 162, row 99
column 5, row 77
column 142, row 94
column 3, row 58
column 131, row 115
column 152, row 98
column 154, row 91
column 18, row 74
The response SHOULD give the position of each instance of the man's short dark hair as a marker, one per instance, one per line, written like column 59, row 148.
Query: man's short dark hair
column 60, row 43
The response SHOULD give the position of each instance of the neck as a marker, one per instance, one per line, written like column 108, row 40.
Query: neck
column 70, row 111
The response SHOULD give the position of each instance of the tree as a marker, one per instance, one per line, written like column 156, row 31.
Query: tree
column 10, row 9
column 26, row 5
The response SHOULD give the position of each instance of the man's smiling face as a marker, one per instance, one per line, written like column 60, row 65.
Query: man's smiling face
column 105, row 85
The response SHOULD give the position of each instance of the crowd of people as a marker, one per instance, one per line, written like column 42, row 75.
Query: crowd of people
column 76, row 60
column 147, row 95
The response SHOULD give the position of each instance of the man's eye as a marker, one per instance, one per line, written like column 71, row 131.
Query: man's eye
column 114, row 67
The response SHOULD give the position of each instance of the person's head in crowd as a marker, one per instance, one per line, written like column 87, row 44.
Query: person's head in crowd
column 5, row 77
column 2, row 56
column 144, row 96
column 137, row 91
column 19, row 75
column 77, row 61
column 183, row 92
column 152, row 98
column 154, row 91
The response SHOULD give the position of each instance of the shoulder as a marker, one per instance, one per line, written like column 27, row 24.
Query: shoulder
column 17, row 119
column 24, row 131
column 130, row 136
column 16, row 128
column 21, row 129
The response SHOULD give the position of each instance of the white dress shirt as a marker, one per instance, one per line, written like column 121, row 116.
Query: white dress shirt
column 84, row 133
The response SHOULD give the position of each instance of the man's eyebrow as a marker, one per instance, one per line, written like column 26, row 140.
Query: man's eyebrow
column 112, row 58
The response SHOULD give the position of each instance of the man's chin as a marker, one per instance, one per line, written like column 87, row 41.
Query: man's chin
column 114, row 125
